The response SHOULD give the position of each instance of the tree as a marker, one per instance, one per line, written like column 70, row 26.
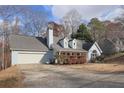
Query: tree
column 97, row 29
column 15, row 27
column 83, row 33
column 7, row 12
column 33, row 21
column 5, row 45
column 71, row 22
column 121, row 20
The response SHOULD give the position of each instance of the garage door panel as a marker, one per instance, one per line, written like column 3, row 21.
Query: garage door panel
column 28, row 58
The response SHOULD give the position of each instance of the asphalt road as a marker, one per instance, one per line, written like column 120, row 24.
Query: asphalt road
column 57, row 76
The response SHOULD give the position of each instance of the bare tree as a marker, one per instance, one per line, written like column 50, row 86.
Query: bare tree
column 39, row 21
column 15, row 26
column 34, row 22
column 71, row 21
column 5, row 45
column 8, row 11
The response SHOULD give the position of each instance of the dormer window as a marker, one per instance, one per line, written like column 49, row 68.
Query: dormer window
column 65, row 43
column 74, row 44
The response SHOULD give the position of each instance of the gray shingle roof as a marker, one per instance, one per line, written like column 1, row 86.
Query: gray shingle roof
column 28, row 43
column 58, row 47
column 80, row 44
column 87, row 45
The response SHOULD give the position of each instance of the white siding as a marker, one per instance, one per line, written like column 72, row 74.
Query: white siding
column 94, row 47
column 26, row 57
column 73, row 44
column 50, row 38
column 14, row 55
column 65, row 43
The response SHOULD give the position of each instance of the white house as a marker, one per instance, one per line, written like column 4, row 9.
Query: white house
column 29, row 50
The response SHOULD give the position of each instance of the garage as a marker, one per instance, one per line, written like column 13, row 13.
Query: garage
column 25, row 57
column 28, row 50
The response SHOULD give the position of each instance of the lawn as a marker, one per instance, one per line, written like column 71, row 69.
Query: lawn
column 10, row 78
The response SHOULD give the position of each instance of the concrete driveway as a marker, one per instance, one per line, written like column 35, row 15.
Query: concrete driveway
column 64, row 76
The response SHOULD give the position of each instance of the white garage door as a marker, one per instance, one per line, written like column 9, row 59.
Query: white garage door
column 25, row 57
column 31, row 57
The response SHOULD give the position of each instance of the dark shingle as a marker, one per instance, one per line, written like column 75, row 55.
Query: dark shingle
column 87, row 45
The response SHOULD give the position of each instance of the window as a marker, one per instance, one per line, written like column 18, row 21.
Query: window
column 63, row 53
column 94, row 54
column 68, row 53
column 79, row 57
column 65, row 43
column 78, row 54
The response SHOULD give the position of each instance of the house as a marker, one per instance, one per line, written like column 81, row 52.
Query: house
column 29, row 50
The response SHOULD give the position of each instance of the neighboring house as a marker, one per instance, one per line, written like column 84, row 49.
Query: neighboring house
column 93, row 49
column 28, row 50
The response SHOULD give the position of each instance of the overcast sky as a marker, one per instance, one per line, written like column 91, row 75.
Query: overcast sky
column 103, row 12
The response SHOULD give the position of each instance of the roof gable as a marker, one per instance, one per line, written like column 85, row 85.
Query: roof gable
column 21, row 42
column 87, row 45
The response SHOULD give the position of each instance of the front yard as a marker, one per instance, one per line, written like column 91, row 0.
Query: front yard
column 100, row 67
column 73, row 76
column 78, row 75
column 10, row 78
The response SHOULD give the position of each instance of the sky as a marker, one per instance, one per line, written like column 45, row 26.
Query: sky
column 103, row 12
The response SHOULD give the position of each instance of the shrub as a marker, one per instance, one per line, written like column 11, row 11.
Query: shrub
column 93, row 60
column 100, row 58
